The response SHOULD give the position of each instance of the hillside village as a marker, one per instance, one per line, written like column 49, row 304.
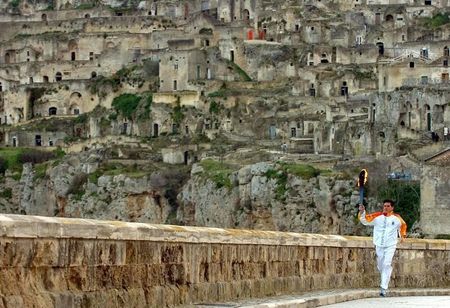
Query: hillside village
column 340, row 83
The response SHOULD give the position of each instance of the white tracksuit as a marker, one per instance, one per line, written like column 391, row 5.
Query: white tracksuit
column 385, row 236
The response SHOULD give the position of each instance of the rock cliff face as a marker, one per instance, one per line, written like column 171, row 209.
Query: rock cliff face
column 319, row 204
column 259, row 196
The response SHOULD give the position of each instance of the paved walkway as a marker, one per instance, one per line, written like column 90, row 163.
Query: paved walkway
column 397, row 302
column 411, row 298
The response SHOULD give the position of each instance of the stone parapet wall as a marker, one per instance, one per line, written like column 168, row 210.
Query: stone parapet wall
column 55, row 262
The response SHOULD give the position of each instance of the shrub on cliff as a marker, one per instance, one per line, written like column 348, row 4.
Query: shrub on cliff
column 406, row 195
column 126, row 104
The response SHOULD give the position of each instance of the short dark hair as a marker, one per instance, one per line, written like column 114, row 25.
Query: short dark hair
column 389, row 201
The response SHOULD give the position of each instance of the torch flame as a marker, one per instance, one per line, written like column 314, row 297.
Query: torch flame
column 363, row 175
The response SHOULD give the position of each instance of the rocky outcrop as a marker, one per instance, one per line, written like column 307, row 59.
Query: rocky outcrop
column 261, row 196
column 321, row 204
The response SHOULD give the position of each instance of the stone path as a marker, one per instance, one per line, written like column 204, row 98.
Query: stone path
column 397, row 302
column 438, row 298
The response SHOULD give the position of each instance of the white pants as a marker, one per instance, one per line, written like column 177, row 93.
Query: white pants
column 384, row 263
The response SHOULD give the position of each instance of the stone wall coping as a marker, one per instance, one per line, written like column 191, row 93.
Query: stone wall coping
column 25, row 226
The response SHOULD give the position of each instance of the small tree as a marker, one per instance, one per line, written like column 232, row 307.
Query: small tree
column 406, row 195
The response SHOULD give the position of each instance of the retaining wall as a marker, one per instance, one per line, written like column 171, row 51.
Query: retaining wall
column 62, row 262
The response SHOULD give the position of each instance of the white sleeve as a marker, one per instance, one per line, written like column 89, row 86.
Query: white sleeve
column 363, row 220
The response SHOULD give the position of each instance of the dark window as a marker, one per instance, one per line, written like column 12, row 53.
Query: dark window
column 52, row 111
column 38, row 140
column 411, row 64
column 58, row 76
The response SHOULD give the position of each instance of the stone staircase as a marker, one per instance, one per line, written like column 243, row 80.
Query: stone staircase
column 409, row 54
column 426, row 151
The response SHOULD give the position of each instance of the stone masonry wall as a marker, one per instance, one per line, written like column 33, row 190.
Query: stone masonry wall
column 61, row 262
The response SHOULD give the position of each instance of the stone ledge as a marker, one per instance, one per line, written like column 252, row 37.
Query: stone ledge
column 23, row 226
column 323, row 298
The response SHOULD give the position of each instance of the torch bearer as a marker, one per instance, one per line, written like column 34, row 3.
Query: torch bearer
column 362, row 180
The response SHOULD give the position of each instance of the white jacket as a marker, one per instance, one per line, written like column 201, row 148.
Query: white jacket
column 387, row 228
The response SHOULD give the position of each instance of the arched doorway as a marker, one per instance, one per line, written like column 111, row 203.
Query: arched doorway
column 58, row 76
column 245, row 15
column 389, row 18
column 446, row 52
column 155, row 130
column 52, row 111
column 7, row 58
column 380, row 46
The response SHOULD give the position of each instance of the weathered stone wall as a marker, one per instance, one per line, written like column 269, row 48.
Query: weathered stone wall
column 434, row 203
column 55, row 262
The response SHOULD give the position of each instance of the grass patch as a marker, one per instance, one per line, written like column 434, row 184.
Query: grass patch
column 113, row 169
column 40, row 171
column 300, row 170
column 12, row 158
column 85, row 6
column 218, row 172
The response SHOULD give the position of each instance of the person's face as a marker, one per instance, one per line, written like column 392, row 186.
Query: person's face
column 387, row 207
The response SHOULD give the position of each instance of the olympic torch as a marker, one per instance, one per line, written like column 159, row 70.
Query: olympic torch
column 362, row 180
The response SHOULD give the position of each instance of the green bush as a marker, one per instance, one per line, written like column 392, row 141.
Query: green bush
column 177, row 114
column 406, row 195
column 15, row 3
column 214, row 107
column 218, row 172
column 59, row 153
column 126, row 104
column 281, row 178
column 6, row 193
column 81, row 119
column 40, row 171
column 3, row 165
column 147, row 107
column 437, row 20
column 219, row 93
